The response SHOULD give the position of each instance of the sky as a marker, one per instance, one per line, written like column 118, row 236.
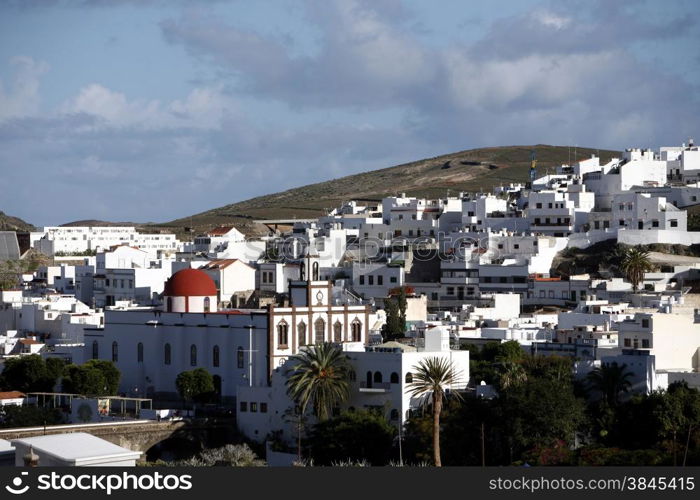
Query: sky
column 151, row 110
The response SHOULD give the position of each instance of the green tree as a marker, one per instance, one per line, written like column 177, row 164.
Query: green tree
column 635, row 263
column 29, row 416
column 430, row 378
column 111, row 374
column 86, row 380
column 195, row 385
column 511, row 375
column 28, row 374
column 336, row 439
column 509, row 352
column 610, row 380
column 319, row 377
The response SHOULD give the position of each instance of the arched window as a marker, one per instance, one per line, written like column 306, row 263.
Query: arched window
column 167, row 354
column 169, row 303
column 356, row 330
column 115, row 352
column 215, row 356
column 338, row 332
column 409, row 378
column 95, row 349
column 369, row 380
column 394, row 415
column 282, row 334
column 378, row 377
column 207, row 304
column 239, row 358
column 301, row 333
column 352, row 375
column 394, row 378
column 319, row 331
column 314, row 268
column 193, row 355
column 139, row 352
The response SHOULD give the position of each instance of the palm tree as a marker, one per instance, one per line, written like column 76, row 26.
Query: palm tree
column 610, row 380
column 512, row 375
column 635, row 263
column 320, row 378
column 430, row 377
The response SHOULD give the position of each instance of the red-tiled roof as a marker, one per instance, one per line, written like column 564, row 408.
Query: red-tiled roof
column 29, row 342
column 220, row 231
column 218, row 264
column 12, row 395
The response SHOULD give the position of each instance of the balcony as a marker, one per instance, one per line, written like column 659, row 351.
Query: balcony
column 375, row 387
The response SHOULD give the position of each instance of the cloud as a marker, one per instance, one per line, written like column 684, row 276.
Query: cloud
column 21, row 96
column 370, row 93
column 201, row 108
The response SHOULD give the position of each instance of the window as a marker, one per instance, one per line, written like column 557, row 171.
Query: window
column 516, row 246
column 139, row 352
column 673, row 223
column 362, row 280
column 193, row 355
column 352, row 375
column 394, row 414
column 380, row 280
column 371, row 280
column 107, row 281
column 95, row 350
column 207, row 304
column 538, row 205
column 645, row 343
column 413, row 216
column 301, row 333
column 356, row 330
column 500, row 246
column 244, row 406
column 253, row 407
column 169, row 307
column 115, row 352
column 645, row 323
column 239, row 357
column 408, row 378
column 319, row 331
column 622, row 222
column 282, row 334
column 167, row 355
column 215, row 356
column 394, row 379
column 377, row 377
column 450, row 290
column 655, row 223
column 628, row 343
column 503, row 279
column 263, row 407
column 392, row 279
column 337, row 332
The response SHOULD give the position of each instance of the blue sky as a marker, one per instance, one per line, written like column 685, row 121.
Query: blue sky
column 152, row 110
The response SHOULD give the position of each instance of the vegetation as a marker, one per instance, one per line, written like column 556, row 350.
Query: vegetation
column 395, row 307
column 196, row 385
column 336, row 440
column 31, row 374
column 231, row 455
column 29, row 416
column 319, row 378
column 11, row 270
column 96, row 377
column 430, row 378
column 635, row 262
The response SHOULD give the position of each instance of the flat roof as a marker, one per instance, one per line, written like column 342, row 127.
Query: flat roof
column 76, row 446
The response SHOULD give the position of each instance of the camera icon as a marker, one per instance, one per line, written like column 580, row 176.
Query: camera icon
column 16, row 488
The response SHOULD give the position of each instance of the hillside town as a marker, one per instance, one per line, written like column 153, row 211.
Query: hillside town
column 594, row 263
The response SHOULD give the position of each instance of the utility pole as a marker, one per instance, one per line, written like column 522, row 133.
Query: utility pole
column 483, row 448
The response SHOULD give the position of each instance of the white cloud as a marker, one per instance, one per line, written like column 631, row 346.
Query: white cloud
column 21, row 97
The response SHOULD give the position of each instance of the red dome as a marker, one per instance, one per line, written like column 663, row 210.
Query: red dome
column 189, row 283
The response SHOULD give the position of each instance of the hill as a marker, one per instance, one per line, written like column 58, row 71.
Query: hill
column 469, row 171
column 9, row 223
